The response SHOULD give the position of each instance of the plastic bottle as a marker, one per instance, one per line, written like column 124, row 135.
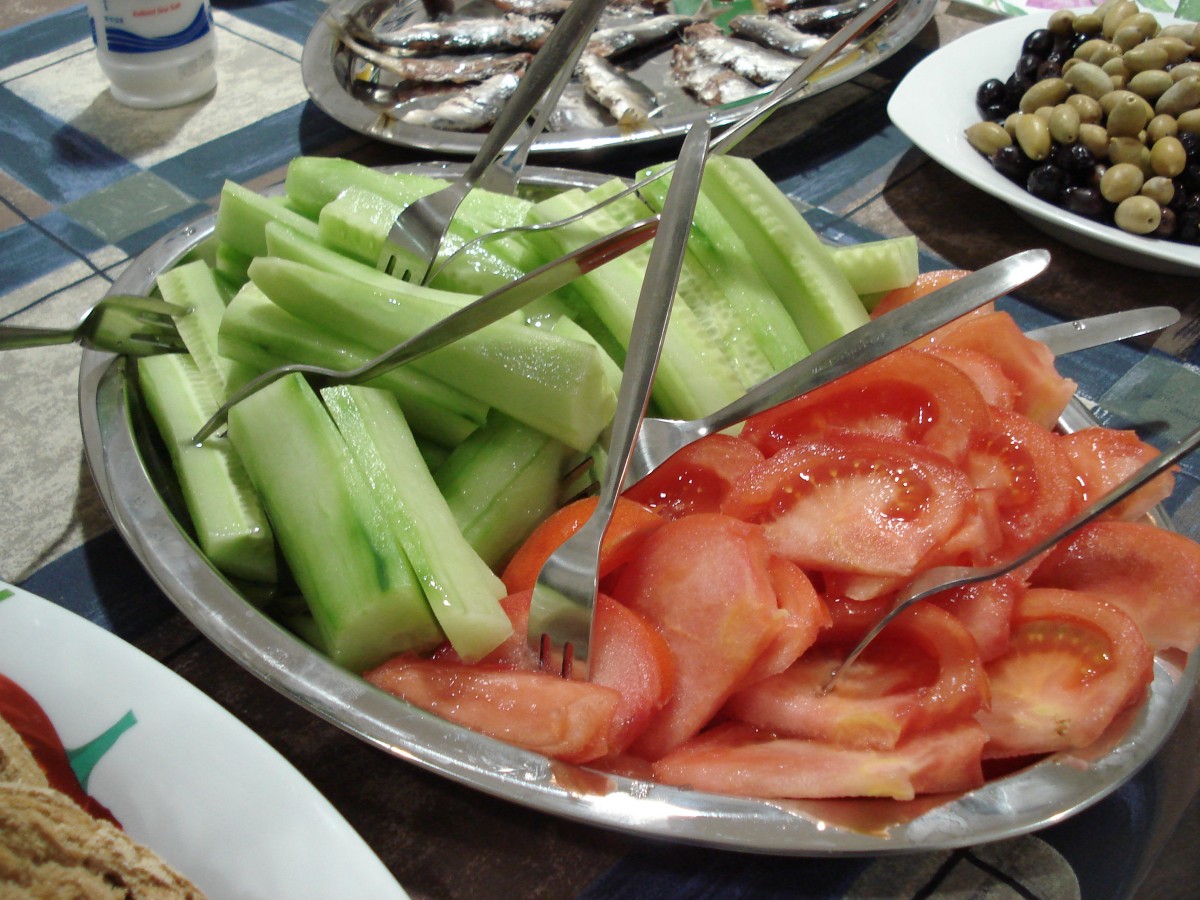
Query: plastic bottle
column 155, row 54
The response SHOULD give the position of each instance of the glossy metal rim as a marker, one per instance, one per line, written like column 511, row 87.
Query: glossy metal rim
column 1040, row 796
column 326, row 87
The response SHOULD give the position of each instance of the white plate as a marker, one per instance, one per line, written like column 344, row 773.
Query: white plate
column 182, row 775
column 935, row 103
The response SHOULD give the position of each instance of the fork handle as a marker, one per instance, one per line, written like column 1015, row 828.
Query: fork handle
column 13, row 337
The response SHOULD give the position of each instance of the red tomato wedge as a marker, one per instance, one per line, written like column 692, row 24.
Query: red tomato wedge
column 985, row 372
column 854, row 503
column 926, row 282
column 1074, row 661
column 1151, row 574
column 922, row 672
column 806, row 615
column 704, row 582
column 1105, row 457
column 985, row 610
column 907, row 394
column 1021, row 468
column 565, row 719
column 697, row 478
column 737, row 759
column 629, row 525
column 1042, row 393
column 27, row 718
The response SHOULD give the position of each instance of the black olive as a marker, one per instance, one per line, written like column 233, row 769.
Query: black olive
column 1046, row 182
column 1012, row 163
column 1191, row 145
column 1189, row 178
column 1166, row 225
column 1083, row 201
column 1049, row 69
column 1187, row 226
column 1014, row 90
column 1027, row 67
column 1077, row 161
column 990, row 93
column 1039, row 43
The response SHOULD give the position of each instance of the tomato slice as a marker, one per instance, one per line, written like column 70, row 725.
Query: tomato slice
column 805, row 615
column 628, row 527
column 854, row 503
column 1151, row 574
column 996, row 388
column 696, row 478
column 1105, row 457
column 925, row 283
column 703, row 581
column 1042, row 393
column 558, row 717
column 923, row 671
column 1074, row 661
column 737, row 759
column 907, row 394
column 1020, row 467
column 985, row 610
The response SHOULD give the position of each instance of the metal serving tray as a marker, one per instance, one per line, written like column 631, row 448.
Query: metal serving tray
column 135, row 486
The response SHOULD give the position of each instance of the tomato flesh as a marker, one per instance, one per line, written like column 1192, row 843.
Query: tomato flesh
column 1105, row 457
column 697, row 478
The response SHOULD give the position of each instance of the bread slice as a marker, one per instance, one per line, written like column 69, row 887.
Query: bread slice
column 17, row 762
column 51, row 847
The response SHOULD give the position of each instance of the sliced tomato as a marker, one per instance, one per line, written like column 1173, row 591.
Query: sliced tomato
column 697, row 478
column 1021, row 468
column 850, row 619
column 704, row 582
column 925, row 283
column 1105, row 457
column 740, row 760
column 1042, row 392
column 29, row 720
column 805, row 615
column 996, row 388
column 854, row 503
column 628, row 527
column 1073, row 662
column 907, row 394
column 923, row 671
column 1151, row 574
column 985, row 610
column 515, row 652
column 557, row 717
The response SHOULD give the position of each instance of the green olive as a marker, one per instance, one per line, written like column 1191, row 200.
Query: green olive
column 1096, row 51
column 1143, row 23
column 1167, row 157
column 1130, row 150
column 1128, row 115
column 1160, row 190
column 1089, row 108
column 1177, row 49
column 1138, row 215
column 1116, row 15
column 1183, row 70
column 1150, row 84
column 1047, row 92
column 1064, row 124
column 1095, row 138
column 1161, row 126
column 1033, row 134
column 1120, row 181
column 1180, row 97
column 1061, row 23
column 1189, row 121
column 1146, row 56
column 1088, row 78
column 1088, row 22
column 1116, row 69
column 987, row 137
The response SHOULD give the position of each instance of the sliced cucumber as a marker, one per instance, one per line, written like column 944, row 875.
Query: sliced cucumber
column 874, row 267
column 462, row 591
column 364, row 596
column 229, row 520
column 242, row 216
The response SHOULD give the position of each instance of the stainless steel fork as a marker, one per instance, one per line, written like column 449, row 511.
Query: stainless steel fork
column 560, row 613
column 944, row 578
column 120, row 323
column 417, row 235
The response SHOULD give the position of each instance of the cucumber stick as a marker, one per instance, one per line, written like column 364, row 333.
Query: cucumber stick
column 229, row 520
column 876, row 266
column 261, row 335
column 365, row 598
column 797, row 265
column 694, row 377
column 461, row 590
column 519, row 370
column 192, row 286
column 242, row 215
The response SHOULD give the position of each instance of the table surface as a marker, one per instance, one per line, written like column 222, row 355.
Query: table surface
column 86, row 184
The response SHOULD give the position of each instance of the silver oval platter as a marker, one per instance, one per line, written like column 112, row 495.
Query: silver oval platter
column 367, row 99
column 132, row 483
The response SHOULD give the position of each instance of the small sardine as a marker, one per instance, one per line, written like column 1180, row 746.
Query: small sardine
column 775, row 34
column 627, row 100
column 550, row 9
column 708, row 82
column 617, row 39
column 824, row 19
column 576, row 110
column 469, row 110
column 470, row 35
column 750, row 60
column 439, row 69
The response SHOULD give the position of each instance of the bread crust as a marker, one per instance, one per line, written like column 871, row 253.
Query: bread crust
column 17, row 762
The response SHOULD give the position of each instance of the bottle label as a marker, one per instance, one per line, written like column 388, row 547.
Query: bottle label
column 134, row 31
